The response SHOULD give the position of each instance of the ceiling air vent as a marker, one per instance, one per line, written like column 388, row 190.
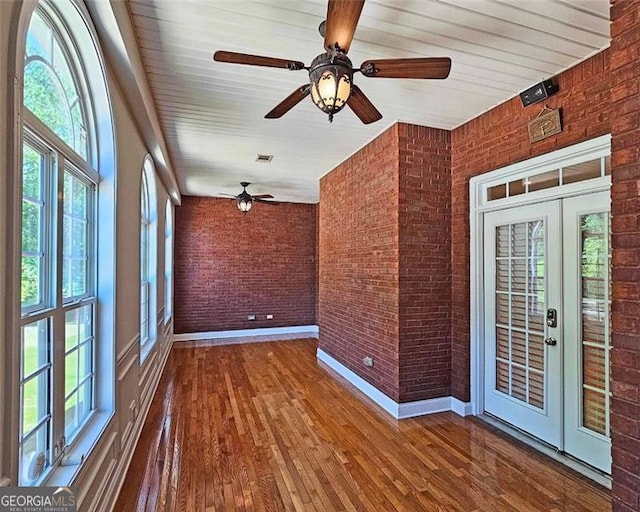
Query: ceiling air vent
column 264, row 158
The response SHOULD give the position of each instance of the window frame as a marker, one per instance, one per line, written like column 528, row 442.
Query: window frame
column 55, row 308
column 148, row 226
column 145, row 260
column 168, row 262
column 92, row 182
column 45, row 298
column 72, row 52
column 77, row 43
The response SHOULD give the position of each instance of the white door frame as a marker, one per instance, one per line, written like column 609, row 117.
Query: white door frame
column 478, row 204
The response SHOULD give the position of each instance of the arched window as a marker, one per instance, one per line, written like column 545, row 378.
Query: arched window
column 52, row 86
column 145, row 285
column 148, row 259
column 168, row 262
column 63, row 387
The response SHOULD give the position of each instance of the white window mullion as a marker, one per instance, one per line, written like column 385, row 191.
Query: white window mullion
column 49, row 228
column 57, row 178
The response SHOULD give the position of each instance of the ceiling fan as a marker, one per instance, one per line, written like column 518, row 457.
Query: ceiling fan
column 244, row 200
column 331, row 73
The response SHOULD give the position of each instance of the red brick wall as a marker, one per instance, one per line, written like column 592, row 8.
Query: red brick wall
column 425, row 262
column 498, row 138
column 358, row 257
column 625, row 238
column 229, row 265
column 385, row 273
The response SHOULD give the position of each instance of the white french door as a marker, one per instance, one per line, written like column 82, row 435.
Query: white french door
column 523, row 376
column 546, row 305
column 586, row 280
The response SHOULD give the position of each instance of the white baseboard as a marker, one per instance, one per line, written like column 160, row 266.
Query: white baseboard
column 388, row 404
column 269, row 331
column 461, row 408
column 422, row 407
column 395, row 409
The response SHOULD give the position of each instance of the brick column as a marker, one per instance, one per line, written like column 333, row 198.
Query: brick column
column 384, row 258
column 424, row 248
column 625, row 211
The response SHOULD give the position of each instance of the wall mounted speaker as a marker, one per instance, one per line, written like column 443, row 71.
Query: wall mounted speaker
column 538, row 92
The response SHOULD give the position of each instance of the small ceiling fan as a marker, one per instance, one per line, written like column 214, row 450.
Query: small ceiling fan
column 331, row 73
column 244, row 200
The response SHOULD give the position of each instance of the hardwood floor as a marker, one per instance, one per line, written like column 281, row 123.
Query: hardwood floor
column 263, row 427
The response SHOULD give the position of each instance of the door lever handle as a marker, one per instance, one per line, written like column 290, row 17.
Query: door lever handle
column 551, row 341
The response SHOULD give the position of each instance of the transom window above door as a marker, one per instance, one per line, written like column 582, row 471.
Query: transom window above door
column 563, row 176
column 565, row 172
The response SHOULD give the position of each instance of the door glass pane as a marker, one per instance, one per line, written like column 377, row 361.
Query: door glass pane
column 497, row 192
column 594, row 279
column 582, row 171
column 544, row 180
column 517, row 187
column 520, row 299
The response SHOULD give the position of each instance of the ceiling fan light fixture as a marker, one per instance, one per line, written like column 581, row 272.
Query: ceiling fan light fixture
column 330, row 83
column 244, row 201
column 330, row 75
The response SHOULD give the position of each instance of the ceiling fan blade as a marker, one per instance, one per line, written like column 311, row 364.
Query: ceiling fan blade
column 256, row 60
column 227, row 195
column 262, row 196
column 362, row 107
column 263, row 201
column 289, row 102
column 426, row 67
column 342, row 19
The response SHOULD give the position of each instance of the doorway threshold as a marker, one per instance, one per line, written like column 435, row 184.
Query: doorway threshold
column 590, row 472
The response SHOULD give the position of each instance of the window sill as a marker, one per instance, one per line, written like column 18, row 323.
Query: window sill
column 146, row 350
column 80, row 450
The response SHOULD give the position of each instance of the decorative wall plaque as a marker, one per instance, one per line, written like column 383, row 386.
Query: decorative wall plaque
column 546, row 123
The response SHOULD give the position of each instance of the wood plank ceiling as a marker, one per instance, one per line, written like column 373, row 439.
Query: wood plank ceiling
column 212, row 113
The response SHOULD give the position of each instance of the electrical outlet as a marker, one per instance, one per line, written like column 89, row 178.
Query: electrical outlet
column 367, row 361
column 251, row 317
column 269, row 317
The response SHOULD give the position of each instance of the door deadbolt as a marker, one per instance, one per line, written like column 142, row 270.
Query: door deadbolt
column 551, row 341
column 552, row 318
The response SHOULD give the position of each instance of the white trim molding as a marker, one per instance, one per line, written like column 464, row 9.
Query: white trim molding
column 311, row 330
column 128, row 444
column 461, row 408
column 395, row 409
